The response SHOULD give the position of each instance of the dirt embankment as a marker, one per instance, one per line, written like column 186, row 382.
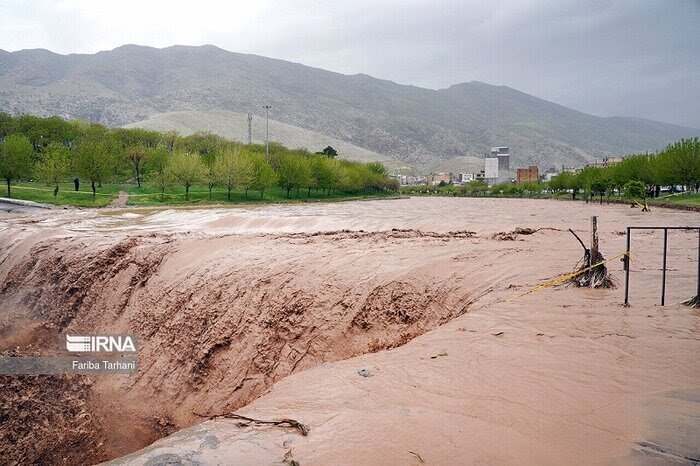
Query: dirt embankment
column 219, row 320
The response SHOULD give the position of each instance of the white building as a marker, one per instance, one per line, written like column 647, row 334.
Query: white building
column 497, row 165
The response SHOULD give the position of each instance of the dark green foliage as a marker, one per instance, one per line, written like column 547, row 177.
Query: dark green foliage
column 15, row 159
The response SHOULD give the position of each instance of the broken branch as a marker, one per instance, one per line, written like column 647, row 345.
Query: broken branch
column 287, row 423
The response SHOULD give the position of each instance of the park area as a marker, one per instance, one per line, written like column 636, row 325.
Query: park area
column 402, row 331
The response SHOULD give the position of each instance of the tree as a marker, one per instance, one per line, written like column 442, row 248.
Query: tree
column 569, row 181
column 683, row 163
column 586, row 178
column 186, row 170
column 135, row 157
column 635, row 189
column 234, row 167
column 246, row 172
column 329, row 152
column 53, row 167
column 15, row 159
column 293, row 172
column 265, row 176
column 157, row 162
column 321, row 173
column 94, row 159
column 210, row 175
column 476, row 187
column 201, row 143
column 599, row 187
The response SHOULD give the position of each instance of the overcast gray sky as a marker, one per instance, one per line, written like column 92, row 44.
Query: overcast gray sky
column 605, row 57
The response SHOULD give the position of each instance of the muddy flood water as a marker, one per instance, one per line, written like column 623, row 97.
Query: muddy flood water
column 384, row 332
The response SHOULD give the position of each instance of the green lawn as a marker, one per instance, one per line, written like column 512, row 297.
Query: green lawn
column 679, row 199
column 149, row 195
column 40, row 192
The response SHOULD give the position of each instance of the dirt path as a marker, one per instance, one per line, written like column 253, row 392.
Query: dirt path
column 120, row 201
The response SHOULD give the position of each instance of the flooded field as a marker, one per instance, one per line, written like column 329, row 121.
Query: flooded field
column 396, row 330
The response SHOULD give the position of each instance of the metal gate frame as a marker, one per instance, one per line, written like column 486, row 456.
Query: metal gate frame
column 626, row 259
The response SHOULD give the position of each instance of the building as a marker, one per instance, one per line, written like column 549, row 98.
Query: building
column 491, row 169
column 437, row 178
column 497, row 165
column 532, row 173
column 465, row 177
column 606, row 162
column 409, row 180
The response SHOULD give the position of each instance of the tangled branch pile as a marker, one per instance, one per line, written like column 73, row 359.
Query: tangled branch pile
column 591, row 271
column 693, row 302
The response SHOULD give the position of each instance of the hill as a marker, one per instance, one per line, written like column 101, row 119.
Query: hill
column 233, row 125
column 420, row 127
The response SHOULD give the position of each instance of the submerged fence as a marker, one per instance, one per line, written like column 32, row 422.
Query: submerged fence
column 626, row 259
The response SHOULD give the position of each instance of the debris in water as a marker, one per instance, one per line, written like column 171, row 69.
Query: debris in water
column 693, row 302
column 512, row 235
column 416, row 455
column 591, row 272
column 288, row 460
column 365, row 373
column 287, row 423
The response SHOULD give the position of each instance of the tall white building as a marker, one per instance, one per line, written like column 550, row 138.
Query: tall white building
column 497, row 165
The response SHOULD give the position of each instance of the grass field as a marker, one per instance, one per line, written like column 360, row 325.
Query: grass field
column 150, row 195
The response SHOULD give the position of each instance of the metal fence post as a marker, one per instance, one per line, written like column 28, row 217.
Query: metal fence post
column 663, row 271
column 627, row 266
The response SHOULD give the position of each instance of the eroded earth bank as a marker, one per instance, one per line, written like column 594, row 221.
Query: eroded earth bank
column 271, row 312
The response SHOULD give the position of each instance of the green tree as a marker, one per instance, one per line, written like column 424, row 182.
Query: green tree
column 246, row 172
column 321, row 173
column 635, row 189
column 94, row 159
column 157, row 162
column 53, row 167
column 186, row 170
column 210, row 175
column 587, row 178
column 201, row 143
column 135, row 156
column 329, row 152
column 292, row 172
column 598, row 188
column 15, row 159
column 265, row 176
column 477, row 187
column 682, row 160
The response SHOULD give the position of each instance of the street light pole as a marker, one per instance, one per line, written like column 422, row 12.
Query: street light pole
column 267, row 130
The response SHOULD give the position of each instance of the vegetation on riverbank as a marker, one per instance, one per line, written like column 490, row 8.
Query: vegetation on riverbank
column 40, row 156
column 670, row 177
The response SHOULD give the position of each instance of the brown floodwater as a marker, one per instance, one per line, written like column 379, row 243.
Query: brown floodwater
column 271, row 312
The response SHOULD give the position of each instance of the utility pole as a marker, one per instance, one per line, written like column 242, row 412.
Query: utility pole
column 267, row 129
column 250, row 128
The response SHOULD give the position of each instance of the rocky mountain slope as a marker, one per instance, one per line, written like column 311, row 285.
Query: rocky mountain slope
column 420, row 127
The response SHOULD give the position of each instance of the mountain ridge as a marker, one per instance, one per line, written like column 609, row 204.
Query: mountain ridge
column 417, row 126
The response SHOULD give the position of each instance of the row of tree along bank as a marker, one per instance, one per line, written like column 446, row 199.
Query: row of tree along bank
column 53, row 150
column 676, row 168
